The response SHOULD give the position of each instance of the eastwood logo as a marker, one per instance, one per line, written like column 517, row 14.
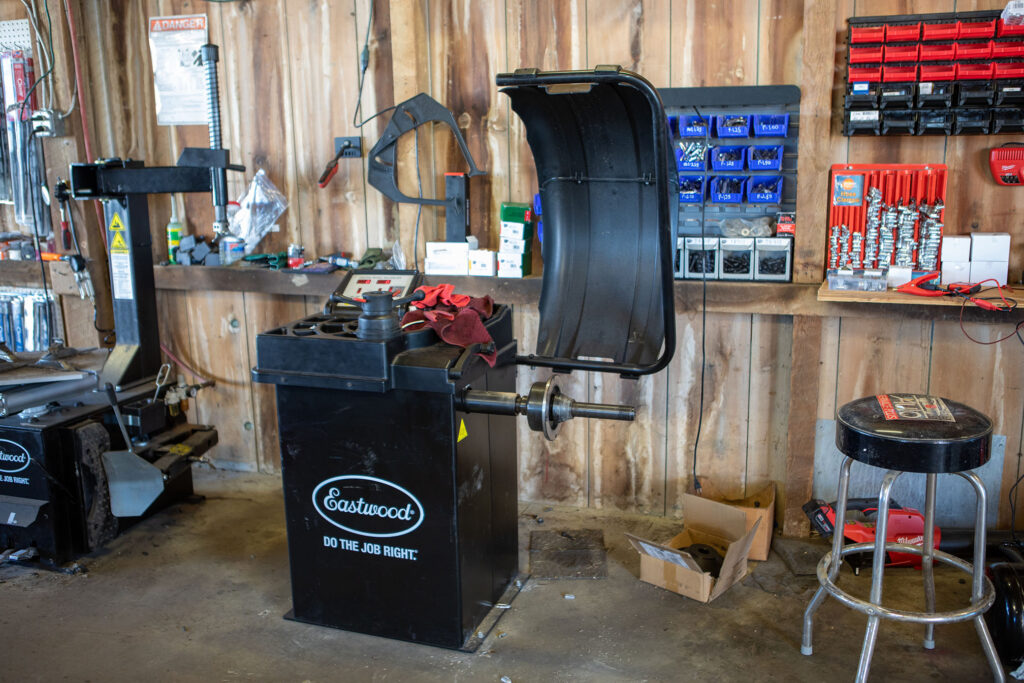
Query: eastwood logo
column 13, row 457
column 367, row 506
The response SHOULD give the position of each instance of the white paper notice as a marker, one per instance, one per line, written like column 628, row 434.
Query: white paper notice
column 174, row 44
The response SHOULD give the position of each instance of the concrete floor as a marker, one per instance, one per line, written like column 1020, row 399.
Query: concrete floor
column 197, row 593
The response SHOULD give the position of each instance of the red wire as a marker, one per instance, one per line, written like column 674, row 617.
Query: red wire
column 1006, row 307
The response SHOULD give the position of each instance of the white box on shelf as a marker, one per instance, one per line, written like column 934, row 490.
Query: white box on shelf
column 990, row 246
column 955, row 271
column 898, row 275
column 989, row 270
column 956, row 248
column 511, row 272
column 510, row 245
column 482, row 262
column 516, row 231
column 446, row 266
column 448, row 250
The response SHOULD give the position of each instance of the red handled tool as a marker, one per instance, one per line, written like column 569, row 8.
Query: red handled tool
column 924, row 286
column 332, row 166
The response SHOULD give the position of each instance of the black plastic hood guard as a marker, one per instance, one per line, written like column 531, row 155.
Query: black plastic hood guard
column 600, row 142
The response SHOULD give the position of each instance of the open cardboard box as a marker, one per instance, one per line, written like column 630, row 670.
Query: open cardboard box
column 758, row 506
column 721, row 526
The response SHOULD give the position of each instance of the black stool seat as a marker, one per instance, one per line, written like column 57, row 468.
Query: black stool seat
column 914, row 433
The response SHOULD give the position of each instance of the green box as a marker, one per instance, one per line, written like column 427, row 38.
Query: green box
column 515, row 212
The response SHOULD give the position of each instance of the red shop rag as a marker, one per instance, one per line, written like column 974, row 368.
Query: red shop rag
column 456, row 318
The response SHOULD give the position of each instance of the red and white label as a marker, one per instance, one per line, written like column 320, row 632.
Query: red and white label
column 191, row 22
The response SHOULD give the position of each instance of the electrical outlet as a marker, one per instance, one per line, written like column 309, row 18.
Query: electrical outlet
column 354, row 149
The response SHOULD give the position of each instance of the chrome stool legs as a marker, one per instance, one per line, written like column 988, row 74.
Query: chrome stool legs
column 982, row 593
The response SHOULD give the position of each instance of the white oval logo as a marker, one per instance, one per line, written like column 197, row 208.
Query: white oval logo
column 367, row 506
column 13, row 457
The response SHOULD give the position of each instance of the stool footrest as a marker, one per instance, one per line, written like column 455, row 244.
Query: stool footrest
column 975, row 608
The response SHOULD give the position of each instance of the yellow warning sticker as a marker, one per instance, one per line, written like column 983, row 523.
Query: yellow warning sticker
column 462, row 431
column 118, row 245
column 115, row 223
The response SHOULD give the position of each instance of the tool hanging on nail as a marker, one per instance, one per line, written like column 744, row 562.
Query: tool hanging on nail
column 332, row 166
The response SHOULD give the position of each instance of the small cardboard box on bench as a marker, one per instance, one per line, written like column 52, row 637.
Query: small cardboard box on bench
column 721, row 526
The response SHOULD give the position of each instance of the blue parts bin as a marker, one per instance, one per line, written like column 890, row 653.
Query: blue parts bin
column 732, row 125
column 764, row 189
column 691, row 189
column 726, row 189
column 771, row 125
column 694, row 126
column 728, row 158
column 765, row 157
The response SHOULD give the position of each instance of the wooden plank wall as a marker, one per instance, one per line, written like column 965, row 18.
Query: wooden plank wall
column 289, row 84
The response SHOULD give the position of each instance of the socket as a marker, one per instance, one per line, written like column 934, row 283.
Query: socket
column 354, row 149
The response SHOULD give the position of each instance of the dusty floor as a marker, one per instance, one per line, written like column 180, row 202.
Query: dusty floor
column 197, row 593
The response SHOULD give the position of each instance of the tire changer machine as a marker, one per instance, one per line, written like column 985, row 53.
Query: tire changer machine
column 398, row 451
column 89, row 448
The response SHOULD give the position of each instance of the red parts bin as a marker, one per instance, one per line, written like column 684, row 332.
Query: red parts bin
column 899, row 73
column 867, row 34
column 977, row 29
column 938, row 72
column 1009, row 29
column 1002, row 49
column 865, row 54
column 898, row 33
column 1009, row 70
column 980, row 49
column 938, row 52
column 869, row 74
column 907, row 52
column 971, row 72
column 940, row 31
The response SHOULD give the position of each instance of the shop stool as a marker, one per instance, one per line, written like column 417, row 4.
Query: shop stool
column 909, row 433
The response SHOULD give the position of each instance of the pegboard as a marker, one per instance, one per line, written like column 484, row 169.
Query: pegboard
column 16, row 35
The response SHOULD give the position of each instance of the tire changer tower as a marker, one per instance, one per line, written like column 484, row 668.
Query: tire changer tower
column 399, row 454
column 87, row 446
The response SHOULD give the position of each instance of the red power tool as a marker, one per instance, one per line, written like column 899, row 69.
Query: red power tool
column 906, row 525
column 923, row 286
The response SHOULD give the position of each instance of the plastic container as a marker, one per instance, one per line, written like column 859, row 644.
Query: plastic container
column 865, row 74
column 861, row 122
column 843, row 279
column 935, row 122
column 975, row 49
column 899, row 33
column 901, row 52
column 865, row 54
column 691, row 155
column 940, row 31
column 771, row 125
column 728, row 158
column 937, row 72
column 693, row 126
column 727, row 189
column 974, row 93
column 732, row 125
column 1007, row 121
column 1009, row 92
column 773, row 258
column 984, row 28
column 899, row 73
column 867, row 34
column 736, row 258
column 1006, row 49
column 765, row 157
column 896, row 96
column 933, row 94
column 1009, row 70
column 972, row 121
column 700, row 258
column 1009, row 29
column 691, row 189
column 898, row 122
column 966, row 71
column 764, row 189
column 938, row 52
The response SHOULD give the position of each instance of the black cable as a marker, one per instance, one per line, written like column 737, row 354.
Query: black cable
column 364, row 63
column 703, row 308
column 419, row 207
column 34, row 202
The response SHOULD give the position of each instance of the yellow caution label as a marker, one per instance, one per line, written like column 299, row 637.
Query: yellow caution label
column 115, row 223
column 118, row 245
column 462, row 431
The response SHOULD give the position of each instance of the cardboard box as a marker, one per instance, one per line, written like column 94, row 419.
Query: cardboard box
column 510, row 245
column 956, row 271
column 758, row 506
column 482, row 262
column 512, row 272
column 451, row 251
column 956, row 248
column 989, row 270
column 990, row 246
column 517, row 231
column 511, row 261
column 446, row 266
column 721, row 526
